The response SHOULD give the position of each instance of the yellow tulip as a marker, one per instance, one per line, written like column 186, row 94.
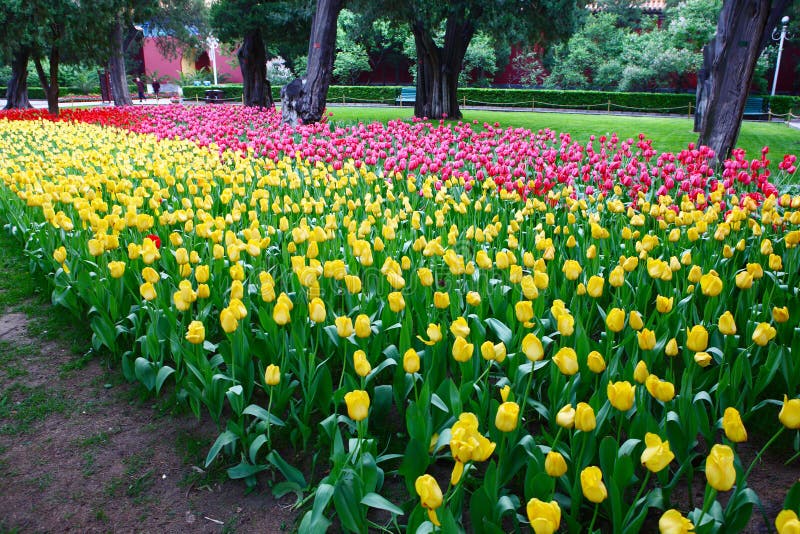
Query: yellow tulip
column 657, row 454
column 763, row 334
column 396, row 302
column 203, row 291
column 150, row 275
column 621, row 395
column 459, row 327
column 344, row 326
column 228, row 320
column 566, row 324
column 635, row 320
column 567, row 361
column 727, row 324
column 363, row 327
column 361, row 364
column 504, row 392
column 787, row 522
column 60, row 255
column 672, row 347
column 720, row 472
column 755, row 270
column 594, row 288
column 357, row 404
column 545, row 517
column 672, row 522
column 592, row 484
column 96, row 247
column 272, row 375
column 524, row 311
column 664, row 304
column 116, row 268
column 660, row 389
column 703, row 359
column 473, row 298
column 775, row 262
column 711, row 284
column 566, row 417
column 434, row 333
column 532, row 347
column 353, row 284
column 790, row 413
column 237, row 290
column 411, row 361
column 697, row 338
column 640, row 373
column 182, row 256
column 585, row 420
column 196, row 333
column 554, row 464
column 425, row 276
column 316, row 310
column 147, row 291
column 430, row 496
column 616, row 277
column 615, row 320
column 733, row 426
column 462, row 350
column 595, row 362
column 571, row 269
column 441, row 300
column 647, row 339
column 779, row 315
column 507, row 416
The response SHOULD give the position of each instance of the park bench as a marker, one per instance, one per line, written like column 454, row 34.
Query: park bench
column 214, row 96
column 754, row 108
column 408, row 95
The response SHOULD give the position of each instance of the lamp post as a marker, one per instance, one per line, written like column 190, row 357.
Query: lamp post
column 213, row 44
column 784, row 23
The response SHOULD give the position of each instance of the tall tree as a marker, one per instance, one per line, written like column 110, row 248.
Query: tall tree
column 439, row 65
column 176, row 23
column 265, row 28
column 17, row 90
column 321, row 53
column 52, row 31
column 729, row 61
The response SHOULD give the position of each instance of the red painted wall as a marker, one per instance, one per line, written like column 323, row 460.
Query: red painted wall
column 154, row 61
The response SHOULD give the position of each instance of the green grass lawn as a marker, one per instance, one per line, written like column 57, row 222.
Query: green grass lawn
column 669, row 134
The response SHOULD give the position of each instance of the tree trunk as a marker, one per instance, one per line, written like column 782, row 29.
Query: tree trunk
column 253, row 62
column 50, row 85
column 17, row 90
column 438, row 67
column 116, row 66
column 729, row 61
column 321, row 53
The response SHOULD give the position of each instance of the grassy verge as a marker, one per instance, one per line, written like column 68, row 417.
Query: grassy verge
column 670, row 134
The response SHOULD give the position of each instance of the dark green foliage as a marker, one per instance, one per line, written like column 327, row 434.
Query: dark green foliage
column 284, row 25
column 667, row 103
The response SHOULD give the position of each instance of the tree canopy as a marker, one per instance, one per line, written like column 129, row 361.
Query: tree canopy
column 283, row 25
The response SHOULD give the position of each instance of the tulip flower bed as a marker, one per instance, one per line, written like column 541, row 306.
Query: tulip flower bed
column 492, row 329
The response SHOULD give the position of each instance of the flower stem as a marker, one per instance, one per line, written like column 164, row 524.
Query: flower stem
column 763, row 449
column 706, row 503
column 594, row 517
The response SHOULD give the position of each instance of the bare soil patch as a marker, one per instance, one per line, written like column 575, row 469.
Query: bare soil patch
column 80, row 452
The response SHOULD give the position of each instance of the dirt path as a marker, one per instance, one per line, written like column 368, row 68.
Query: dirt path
column 80, row 451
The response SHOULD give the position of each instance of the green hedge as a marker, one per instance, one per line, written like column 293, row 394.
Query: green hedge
column 677, row 103
column 781, row 105
column 599, row 100
column 37, row 93
column 336, row 93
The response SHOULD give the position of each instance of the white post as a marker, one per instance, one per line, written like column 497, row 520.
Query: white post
column 212, row 45
column 784, row 22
